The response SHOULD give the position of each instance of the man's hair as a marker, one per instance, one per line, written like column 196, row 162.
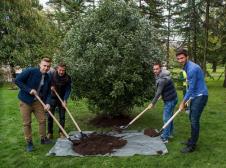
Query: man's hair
column 46, row 59
column 157, row 63
column 182, row 51
column 62, row 64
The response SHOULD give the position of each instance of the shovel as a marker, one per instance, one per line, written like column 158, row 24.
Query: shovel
column 131, row 122
column 157, row 133
column 72, row 118
column 61, row 128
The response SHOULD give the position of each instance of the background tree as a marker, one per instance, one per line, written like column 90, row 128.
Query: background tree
column 65, row 12
column 111, row 51
column 26, row 34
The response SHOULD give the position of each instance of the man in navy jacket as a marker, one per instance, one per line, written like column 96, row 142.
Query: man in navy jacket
column 198, row 94
column 34, row 81
column 61, row 83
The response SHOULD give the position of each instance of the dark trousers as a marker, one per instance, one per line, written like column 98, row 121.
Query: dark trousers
column 196, row 107
column 56, row 104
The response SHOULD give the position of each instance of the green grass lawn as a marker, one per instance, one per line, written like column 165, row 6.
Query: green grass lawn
column 210, row 151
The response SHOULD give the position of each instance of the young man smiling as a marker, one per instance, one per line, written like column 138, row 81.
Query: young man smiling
column 34, row 81
column 197, row 92
column 165, row 89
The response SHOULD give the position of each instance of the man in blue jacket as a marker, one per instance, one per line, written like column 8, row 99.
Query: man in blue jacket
column 34, row 81
column 61, row 83
column 197, row 92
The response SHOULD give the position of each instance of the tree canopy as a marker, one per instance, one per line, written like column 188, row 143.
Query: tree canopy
column 110, row 52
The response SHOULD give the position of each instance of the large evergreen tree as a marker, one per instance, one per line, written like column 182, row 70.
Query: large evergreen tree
column 111, row 51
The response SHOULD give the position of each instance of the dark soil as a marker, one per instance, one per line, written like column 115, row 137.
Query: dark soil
column 106, row 121
column 151, row 132
column 98, row 144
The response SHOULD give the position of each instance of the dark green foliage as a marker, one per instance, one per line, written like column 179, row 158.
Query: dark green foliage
column 110, row 52
column 25, row 33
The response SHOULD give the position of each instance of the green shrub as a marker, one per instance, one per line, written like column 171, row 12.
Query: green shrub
column 110, row 52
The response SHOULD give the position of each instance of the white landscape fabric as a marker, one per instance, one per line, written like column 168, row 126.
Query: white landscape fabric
column 137, row 143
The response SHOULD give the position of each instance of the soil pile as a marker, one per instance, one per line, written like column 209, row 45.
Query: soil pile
column 98, row 144
column 106, row 121
column 151, row 132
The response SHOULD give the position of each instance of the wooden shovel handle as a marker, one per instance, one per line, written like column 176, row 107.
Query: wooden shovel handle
column 61, row 128
column 67, row 111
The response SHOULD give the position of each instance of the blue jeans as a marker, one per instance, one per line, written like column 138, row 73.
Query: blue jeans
column 167, row 114
column 196, row 107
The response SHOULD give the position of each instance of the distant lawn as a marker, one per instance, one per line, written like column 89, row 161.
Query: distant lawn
column 210, row 152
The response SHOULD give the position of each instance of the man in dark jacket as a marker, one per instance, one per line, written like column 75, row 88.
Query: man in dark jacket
column 165, row 89
column 61, row 83
column 34, row 81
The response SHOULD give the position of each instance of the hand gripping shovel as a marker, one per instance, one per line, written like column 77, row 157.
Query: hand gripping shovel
column 157, row 133
column 61, row 128
column 72, row 118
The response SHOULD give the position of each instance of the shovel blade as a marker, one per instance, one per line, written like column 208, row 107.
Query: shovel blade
column 83, row 135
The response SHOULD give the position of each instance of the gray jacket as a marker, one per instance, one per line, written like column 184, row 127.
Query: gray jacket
column 165, row 87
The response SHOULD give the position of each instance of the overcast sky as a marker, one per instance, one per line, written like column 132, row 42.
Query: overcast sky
column 42, row 2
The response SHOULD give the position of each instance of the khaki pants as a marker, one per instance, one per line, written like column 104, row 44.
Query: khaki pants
column 38, row 110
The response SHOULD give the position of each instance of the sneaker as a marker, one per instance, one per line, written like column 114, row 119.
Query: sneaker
column 188, row 149
column 187, row 111
column 171, row 137
column 50, row 136
column 29, row 147
column 164, row 140
column 45, row 141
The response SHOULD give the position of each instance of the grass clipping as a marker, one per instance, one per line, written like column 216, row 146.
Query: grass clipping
column 96, row 144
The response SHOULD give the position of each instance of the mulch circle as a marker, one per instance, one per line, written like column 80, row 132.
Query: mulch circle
column 151, row 132
column 98, row 144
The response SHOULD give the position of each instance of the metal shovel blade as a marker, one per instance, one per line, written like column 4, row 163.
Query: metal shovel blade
column 83, row 135
column 120, row 128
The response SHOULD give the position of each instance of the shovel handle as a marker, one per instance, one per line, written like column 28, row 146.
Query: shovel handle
column 138, row 116
column 54, row 118
column 174, row 115
column 67, row 111
column 171, row 119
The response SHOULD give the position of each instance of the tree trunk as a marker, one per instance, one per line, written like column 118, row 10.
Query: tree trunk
column 224, row 84
column 214, row 66
column 206, row 35
column 194, row 33
column 168, row 32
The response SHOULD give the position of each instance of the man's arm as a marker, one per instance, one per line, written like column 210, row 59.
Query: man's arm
column 67, row 90
column 158, row 93
column 192, row 80
column 21, row 79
